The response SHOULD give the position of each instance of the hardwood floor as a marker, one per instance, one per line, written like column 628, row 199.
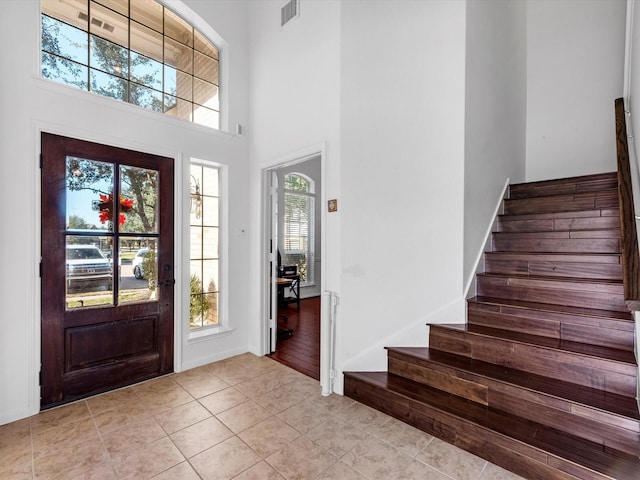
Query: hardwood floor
column 300, row 351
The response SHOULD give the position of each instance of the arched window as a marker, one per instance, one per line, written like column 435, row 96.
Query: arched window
column 299, row 224
column 137, row 51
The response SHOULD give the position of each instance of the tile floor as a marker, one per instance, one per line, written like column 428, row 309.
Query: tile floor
column 243, row 418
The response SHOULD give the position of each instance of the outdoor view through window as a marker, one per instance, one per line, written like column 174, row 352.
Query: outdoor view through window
column 136, row 51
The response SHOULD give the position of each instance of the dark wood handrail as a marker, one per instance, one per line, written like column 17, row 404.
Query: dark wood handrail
column 630, row 256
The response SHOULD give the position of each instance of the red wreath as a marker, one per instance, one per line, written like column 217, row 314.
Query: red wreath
column 106, row 208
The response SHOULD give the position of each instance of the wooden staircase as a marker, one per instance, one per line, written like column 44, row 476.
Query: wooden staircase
column 542, row 378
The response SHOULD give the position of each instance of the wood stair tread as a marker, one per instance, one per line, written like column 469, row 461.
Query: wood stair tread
column 553, row 308
column 619, row 405
column 569, row 214
column 540, row 278
column 620, row 356
column 584, row 183
column 584, row 454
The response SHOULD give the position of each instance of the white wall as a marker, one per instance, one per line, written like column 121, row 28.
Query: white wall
column 495, row 110
column 402, row 136
column 575, row 56
column 294, row 98
column 29, row 105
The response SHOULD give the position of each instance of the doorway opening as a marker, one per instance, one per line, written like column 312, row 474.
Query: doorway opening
column 294, row 253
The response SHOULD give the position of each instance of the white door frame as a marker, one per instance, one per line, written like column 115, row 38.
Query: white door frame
column 287, row 160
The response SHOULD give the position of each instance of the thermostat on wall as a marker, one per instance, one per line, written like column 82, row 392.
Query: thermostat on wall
column 332, row 205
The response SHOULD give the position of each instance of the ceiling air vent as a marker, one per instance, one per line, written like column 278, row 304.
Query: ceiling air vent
column 288, row 12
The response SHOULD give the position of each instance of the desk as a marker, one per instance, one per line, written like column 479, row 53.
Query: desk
column 292, row 282
column 284, row 283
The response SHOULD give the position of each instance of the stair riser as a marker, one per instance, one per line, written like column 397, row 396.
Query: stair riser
column 512, row 265
column 603, row 374
column 506, row 243
column 574, row 419
column 518, row 224
column 598, row 296
column 562, row 203
column 564, row 186
column 515, row 456
column 592, row 330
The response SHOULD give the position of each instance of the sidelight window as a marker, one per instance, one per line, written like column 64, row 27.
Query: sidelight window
column 204, row 246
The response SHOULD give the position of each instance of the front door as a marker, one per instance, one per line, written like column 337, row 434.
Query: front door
column 107, row 268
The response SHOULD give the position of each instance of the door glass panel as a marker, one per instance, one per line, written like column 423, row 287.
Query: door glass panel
column 138, row 270
column 89, row 271
column 138, row 200
column 89, row 195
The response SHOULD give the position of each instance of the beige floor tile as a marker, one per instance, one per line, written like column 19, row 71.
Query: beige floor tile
column 337, row 436
column 236, row 374
column 363, row 416
column 163, row 394
column 201, row 387
column 260, row 471
column 225, row 460
column 334, row 402
column 376, row 459
column 15, row 444
column 243, row 416
column 305, row 416
column 301, row 460
column 280, row 399
column 493, row 472
column 17, row 466
column 200, row 436
column 451, row 460
column 97, row 471
column 59, row 416
column 123, row 398
column 182, row 471
column 132, row 436
column 182, row 416
column 117, row 418
column 400, row 435
column 13, row 432
column 150, row 460
column 70, row 458
column 269, row 436
column 306, row 386
column 419, row 471
column 49, row 441
column 223, row 400
column 272, row 380
column 340, row 471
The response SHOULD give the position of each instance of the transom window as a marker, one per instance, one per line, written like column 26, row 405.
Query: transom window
column 299, row 224
column 136, row 51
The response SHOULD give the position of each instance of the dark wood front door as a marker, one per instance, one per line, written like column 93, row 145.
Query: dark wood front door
column 107, row 268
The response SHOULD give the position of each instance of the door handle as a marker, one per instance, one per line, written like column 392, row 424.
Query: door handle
column 167, row 283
